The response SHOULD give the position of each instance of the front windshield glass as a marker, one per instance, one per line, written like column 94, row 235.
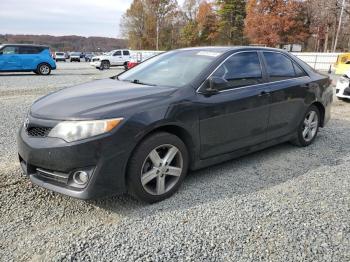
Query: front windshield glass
column 175, row 69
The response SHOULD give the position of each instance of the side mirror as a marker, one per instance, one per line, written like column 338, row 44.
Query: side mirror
column 214, row 85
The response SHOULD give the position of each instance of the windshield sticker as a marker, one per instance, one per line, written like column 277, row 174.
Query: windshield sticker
column 208, row 53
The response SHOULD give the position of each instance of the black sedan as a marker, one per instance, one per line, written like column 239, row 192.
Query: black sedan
column 140, row 132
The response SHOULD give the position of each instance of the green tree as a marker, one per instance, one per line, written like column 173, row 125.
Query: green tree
column 231, row 15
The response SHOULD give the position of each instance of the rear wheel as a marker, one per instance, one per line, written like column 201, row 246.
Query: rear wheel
column 308, row 129
column 157, row 167
column 44, row 69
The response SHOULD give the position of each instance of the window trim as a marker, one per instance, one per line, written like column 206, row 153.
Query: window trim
column 264, row 72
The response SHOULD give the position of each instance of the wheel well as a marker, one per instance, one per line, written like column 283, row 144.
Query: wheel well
column 322, row 111
column 105, row 60
column 43, row 63
column 175, row 130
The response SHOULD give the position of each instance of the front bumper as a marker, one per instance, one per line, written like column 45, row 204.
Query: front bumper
column 342, row 90
column 95, row 63
column 105, row 165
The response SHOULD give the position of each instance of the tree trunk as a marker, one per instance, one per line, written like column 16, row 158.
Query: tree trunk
column 157, row 38
column 326, row 39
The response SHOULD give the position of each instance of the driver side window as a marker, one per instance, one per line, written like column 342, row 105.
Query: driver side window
column 118, row 53
column 10, row 50
column 242, row 69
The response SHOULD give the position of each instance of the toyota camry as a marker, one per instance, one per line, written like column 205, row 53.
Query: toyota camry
column 143, row 130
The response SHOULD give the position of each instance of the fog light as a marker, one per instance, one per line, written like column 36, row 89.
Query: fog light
column 80, row 177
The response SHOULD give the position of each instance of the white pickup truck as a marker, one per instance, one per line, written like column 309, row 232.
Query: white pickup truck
column 113, row 58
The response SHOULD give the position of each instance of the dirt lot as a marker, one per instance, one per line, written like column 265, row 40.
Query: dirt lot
column 281, row 204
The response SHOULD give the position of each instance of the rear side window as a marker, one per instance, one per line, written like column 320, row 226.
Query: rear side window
column 241, row 70
column 30, row 49
column 278, row 66
column 126, row 53
column 10, row 50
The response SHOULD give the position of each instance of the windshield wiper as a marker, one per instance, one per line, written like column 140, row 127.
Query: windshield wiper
column 136, row 81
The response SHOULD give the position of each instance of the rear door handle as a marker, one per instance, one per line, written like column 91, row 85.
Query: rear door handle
column 264, row 93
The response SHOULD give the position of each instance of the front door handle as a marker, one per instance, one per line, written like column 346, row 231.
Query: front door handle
column 264, row 93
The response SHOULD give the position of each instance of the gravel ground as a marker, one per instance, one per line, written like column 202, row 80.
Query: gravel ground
column 281, row 204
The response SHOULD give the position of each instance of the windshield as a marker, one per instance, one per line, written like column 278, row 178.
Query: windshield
column 59, row 53
column 74, row 54
column 175, row 69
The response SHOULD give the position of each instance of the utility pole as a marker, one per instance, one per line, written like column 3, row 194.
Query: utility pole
column 339, row 26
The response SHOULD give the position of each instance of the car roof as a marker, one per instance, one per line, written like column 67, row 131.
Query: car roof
column 224, row 49
column 29, row 45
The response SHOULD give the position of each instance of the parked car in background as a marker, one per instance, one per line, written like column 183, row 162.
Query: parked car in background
column 132, row 64
column 26, row 58
column 342, row 90
column 89, row 56
column 113, row 58
column 139, row 57
column 141, row 131
column 342, row 65
column 75, row 56
column 60, row 56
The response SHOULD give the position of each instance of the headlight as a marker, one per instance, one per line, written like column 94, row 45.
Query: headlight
column 76, row 130
column 344, row 80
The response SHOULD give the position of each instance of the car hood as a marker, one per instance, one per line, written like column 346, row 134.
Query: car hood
column 99, row 99
column 99, row 57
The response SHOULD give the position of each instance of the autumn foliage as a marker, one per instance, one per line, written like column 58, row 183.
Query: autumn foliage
column 273, row 22
column 164, row 24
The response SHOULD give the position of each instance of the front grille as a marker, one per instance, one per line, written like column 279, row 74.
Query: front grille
column 38, row 131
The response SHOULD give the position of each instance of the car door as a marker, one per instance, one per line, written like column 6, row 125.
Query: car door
column 29, row 57
column 10, row 58
column 288, row 84
column 117, row 58
column 126, row 56
column 236, row 116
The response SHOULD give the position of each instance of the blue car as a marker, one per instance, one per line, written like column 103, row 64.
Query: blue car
column 26, row 58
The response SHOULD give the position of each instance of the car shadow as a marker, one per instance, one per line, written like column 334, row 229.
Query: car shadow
column 246, row 175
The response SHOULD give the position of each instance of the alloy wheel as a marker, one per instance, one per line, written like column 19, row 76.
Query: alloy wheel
column 310, row 126
column 44, row 69
column 161, row 169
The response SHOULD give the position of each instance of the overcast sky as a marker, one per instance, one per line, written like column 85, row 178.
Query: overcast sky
column 63, row 17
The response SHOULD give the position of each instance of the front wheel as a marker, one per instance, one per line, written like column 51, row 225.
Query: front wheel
column 157, row 167
column 44, row 69
column 308, row 129
column 105, row 64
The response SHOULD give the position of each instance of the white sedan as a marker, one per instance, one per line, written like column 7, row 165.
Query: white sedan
column 343, row 86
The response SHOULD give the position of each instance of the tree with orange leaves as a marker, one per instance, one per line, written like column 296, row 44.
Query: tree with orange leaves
column 207, row 23
column 275, row 22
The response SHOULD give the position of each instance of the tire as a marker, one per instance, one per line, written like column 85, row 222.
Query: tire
column 105, row 64
column 150, row 189
column 313, row 118
column 44, row 69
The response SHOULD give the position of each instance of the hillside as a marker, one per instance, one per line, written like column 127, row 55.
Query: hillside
column 68, row 43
